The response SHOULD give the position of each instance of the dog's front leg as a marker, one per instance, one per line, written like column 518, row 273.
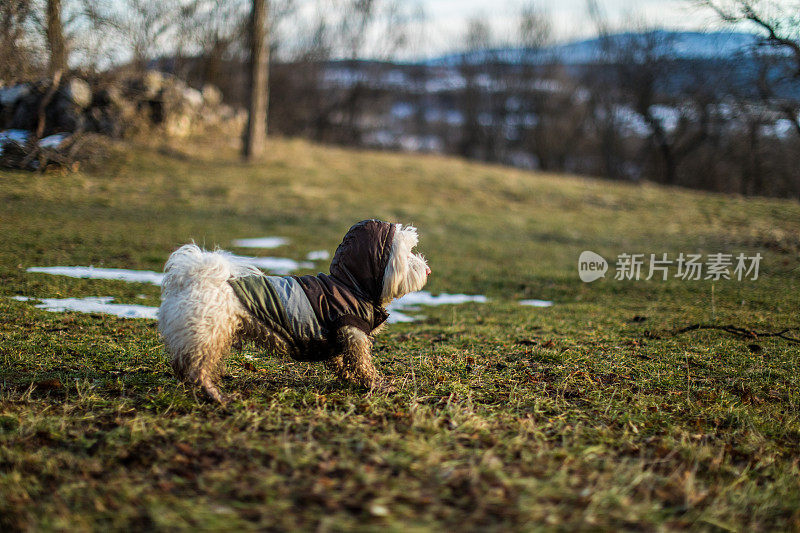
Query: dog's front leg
column 353, row 362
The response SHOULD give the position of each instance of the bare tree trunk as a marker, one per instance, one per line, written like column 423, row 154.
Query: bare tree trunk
column 256, row 134
column 48, row 97
column 55, row 38
column 212, row 62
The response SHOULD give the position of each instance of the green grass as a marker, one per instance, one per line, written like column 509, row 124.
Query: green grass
column 507, row 417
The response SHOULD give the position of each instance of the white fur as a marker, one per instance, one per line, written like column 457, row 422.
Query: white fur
column 406, row 271
column 200, row 316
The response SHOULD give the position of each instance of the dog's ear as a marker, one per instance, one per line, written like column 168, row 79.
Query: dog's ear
column 396, row 267
column 405, row 271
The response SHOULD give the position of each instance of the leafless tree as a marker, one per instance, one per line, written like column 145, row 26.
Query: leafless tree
column 219, row 33
column 366, row 28
column 473, row 67
column 780, row 23
column 55, row 38
column 339, row 57
column 20, row 53
column 535, row 27
column 550, row 118
column 642, row 66
column 146, row 27
column 255, row 135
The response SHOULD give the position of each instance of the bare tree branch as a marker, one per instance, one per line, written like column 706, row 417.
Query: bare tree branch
column 748, row 10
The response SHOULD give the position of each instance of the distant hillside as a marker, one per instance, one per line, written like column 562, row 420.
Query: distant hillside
column 682, row 108
column 680, row 45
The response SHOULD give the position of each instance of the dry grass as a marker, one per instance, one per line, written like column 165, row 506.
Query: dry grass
column 572, row 417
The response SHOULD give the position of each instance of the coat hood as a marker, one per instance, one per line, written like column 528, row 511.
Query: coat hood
column 360, row 260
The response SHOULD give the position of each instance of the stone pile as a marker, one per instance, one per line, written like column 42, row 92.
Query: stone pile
column 139, row 103
column 44, row 125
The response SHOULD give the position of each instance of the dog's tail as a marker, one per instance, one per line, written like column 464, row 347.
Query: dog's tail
column 191, row 266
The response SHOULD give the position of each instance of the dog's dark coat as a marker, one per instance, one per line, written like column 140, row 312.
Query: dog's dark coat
column 349, row 296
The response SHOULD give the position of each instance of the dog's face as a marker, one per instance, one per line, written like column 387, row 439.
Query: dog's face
column 406, row 271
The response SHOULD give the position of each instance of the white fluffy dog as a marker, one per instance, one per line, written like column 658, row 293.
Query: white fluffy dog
column 212, row 301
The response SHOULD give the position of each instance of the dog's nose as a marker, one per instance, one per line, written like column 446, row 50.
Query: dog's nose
column 427, row 271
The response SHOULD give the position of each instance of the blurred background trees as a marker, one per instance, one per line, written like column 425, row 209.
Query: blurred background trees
column 718, row 111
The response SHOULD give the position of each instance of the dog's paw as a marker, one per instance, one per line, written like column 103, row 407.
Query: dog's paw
column 214, row 394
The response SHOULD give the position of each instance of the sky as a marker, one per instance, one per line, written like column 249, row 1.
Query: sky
column 570, row 21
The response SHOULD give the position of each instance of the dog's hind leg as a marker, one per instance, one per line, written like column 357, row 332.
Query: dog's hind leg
column 199, row 337
column 201, row 362
column 203, row 367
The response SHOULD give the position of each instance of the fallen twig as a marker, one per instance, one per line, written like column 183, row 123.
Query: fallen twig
column 742, row 332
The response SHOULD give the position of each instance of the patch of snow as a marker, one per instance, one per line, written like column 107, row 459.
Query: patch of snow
column 262, row 242
column 536, row 303
column 383, row 138
column 9, row 136
column 276, row 265
column 10, row 95
column 53, row 141
column 19, row 136
column 781, row 128
column 632, row 121
column 343, row 77
column 449, row 81
column 668, row 116
column 395, row 78
column 426, row 298
column 397, row 317
column 22, row 136
column 103, row 305
column 122, row 274
column 100, row 305
column 412, row 301
column 402, row 110
column 451, row 117
column 281, row 266
column 521, row 159
column 421, row 143
column 318, row 255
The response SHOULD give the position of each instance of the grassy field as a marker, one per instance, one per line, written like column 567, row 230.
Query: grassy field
column 591, row 414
